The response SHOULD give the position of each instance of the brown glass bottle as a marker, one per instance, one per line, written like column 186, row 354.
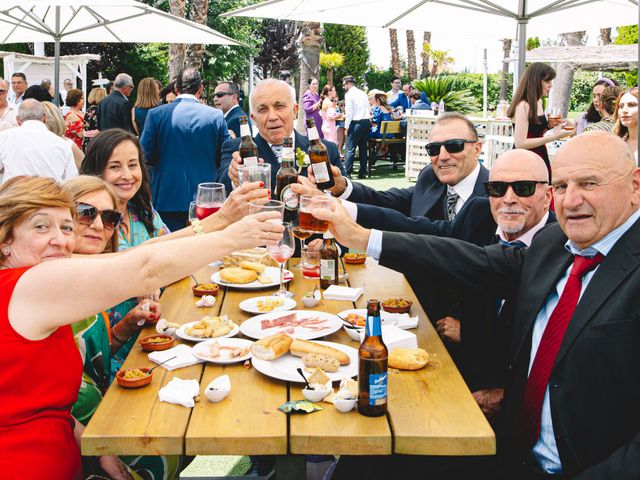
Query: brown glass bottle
column 248, row 148
column 319, row 158
column 328, row 261
column 372, row 366
column 287, row 174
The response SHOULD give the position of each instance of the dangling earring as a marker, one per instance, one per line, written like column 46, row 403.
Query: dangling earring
column 6, row 252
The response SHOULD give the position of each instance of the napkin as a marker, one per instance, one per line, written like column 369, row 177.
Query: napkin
column 336, row 292
column 183, row 355
column 206, row 301
column 401, row 320
column 179, row 391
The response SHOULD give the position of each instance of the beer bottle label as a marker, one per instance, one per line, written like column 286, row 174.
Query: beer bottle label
column 327, row 269
column 374, row 327
column 288, row 154
column 313, row 133
column 289, row 198
column 245, row 130
column 250, row 161
column 377, row 388
column 321, row 172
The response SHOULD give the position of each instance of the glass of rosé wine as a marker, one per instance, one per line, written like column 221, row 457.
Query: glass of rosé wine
column 209, row 199
column 281, row 252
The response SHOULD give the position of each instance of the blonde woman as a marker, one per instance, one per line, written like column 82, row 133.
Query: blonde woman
column 148, row 98
column 57, row 125
column 91, row 116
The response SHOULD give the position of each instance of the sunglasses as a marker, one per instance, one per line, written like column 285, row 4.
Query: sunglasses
column 221, row 94
column 3, row 91
column 522, row 188
column 88, row 213
column 455, row 145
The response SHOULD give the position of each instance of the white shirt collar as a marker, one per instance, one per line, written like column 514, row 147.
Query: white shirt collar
column 229, row 111
column 464, row 188
column 527, row 237
column 188, row 95
column 34, row 124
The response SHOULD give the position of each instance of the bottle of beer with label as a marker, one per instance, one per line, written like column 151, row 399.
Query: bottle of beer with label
column 285, row 177
column 319, row 158
column 372, row 366
column 328, row 261
column 248, row 148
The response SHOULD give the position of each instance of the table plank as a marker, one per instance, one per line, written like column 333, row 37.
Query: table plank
column 431, row 411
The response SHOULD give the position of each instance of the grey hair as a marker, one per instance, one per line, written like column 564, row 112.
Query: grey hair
column 123, row 80
column 188, row 81
column 30, row 109
column 267, row 82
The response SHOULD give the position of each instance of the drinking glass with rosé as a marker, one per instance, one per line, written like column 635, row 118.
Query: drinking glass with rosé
column 281, row 252
column 209, row 199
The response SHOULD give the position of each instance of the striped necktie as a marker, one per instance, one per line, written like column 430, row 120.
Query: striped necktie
column 452, row 199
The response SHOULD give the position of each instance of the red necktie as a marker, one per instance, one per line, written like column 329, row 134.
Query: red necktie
column 549, row 347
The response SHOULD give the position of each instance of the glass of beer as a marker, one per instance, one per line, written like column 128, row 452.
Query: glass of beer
column 307, row 221
column 270, row 206
column 255, row 173
column 209, row 199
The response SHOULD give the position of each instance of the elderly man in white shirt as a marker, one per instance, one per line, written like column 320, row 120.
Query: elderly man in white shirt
column 31, row 149
column 357, row 123
column 8, row 113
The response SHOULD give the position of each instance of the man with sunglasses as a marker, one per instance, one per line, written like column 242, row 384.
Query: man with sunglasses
column 571, row 399
column 227, row 98
column 8, row 113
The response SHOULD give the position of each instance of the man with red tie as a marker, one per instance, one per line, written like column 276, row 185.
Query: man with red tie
column 572, row 400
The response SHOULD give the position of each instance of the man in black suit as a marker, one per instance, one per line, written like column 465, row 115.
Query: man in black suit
column 273, row 112
column 227, row 99
column 114, row 111
column 571, row 401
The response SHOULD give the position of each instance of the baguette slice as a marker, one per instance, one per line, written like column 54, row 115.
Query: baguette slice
column 271, row 347
column 325, row 362
column 255, row 266
column 300, row 347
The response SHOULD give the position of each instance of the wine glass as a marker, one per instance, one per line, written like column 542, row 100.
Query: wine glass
column 269, row 206
column 281, row 253
column 192, row 213
column 209, row 199
column 301, row 235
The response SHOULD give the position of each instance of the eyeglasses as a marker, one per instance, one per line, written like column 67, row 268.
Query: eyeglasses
column 88, row 213
column 3, row 91
column 221, row 94
column 522, row 188
column 455, row 145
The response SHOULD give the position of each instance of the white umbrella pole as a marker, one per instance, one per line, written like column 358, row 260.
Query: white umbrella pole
column 484, row 84
column 56, row 55
column 522, row 37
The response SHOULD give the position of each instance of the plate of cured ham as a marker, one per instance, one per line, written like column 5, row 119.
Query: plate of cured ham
column 303, row 324
column 223, row 350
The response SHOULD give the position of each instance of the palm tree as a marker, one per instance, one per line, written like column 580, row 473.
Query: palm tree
column 605, row 36
column 564, row 74
column 309, row 45
column 331, row 61
column 506, row 51
column 395, row 54
column 411, row 56
column 177, row 51
column 425, row 55
column 198, row 14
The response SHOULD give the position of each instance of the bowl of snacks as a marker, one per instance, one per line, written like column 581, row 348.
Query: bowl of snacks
column 134, row 377
column 355, row 258
column 205, row 289
column 311, row 299
column 317, row 392
column 153, row 343
column 397, row 305
column 344, row 405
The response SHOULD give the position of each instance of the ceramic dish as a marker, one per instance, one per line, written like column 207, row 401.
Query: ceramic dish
column 182, row 333
column 253, row 327
column 272, row 272
column 136, row 382
column 149, row 346
column 203, row 350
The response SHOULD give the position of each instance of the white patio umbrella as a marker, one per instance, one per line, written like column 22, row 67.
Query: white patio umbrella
column 496, row 17
column 97, row 21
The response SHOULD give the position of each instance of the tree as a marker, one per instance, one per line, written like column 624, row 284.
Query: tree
column 177, row 51
column 628, row 35
column 395, row 54
column 278, row 50
column 331, row 61
column 533, row 42
column 441, row 59
column 605, row 36
column 309, row 46
column 195, row 52
column 425, row 55
column 350, row 41
column 504, row 77
column 564, row 74
column 411, row 56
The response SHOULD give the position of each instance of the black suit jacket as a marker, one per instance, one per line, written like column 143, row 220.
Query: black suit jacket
column 594, row 387
column 114, row 111
column 265, row 152
column 233, row 120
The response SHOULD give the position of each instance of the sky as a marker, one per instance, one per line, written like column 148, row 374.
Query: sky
column 467, row 50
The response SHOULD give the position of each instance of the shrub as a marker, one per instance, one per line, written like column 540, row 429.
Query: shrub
column 447, row 89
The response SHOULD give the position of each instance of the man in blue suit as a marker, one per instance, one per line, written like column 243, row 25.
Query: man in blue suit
column 182, row 141
column 403, row 99
column 227, row 99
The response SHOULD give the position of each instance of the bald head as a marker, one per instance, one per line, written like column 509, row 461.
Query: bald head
column 273, row 110
column 527, row 164
column 596, row 186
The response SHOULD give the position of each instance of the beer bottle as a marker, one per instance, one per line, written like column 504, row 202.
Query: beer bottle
column 287, row 174
column 248, row 148
column 328, row 261
column 372, row 366
column 319, row 158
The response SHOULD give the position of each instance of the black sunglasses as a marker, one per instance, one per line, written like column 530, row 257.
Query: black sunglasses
column 221, row 94
column 522, row 188
column 455, row 145
column 88, row 213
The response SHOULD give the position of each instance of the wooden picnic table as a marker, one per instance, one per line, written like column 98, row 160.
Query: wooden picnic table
column 431, row 411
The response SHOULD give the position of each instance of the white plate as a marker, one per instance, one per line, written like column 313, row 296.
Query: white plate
column 384, row 320
column 181, row 332
column 273, row 272
column 252, row 327
column 201, row 350
column 251, row 304
column 284, row 368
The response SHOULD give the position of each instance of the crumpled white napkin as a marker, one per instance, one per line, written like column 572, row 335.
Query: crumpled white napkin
column 337, row 292
column 183, row 354
column 401, row 320
column 206, row 301
column 180, row 392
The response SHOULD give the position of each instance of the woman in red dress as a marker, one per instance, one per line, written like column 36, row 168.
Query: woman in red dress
column 43, row 290
column 75, row 117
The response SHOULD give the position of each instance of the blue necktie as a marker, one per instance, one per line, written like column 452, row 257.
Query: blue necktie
column 515, row 243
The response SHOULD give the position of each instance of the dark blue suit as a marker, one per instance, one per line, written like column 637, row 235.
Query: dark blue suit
column 182, row 141
column 265, row 152
column 404, row 102
column 233, row 120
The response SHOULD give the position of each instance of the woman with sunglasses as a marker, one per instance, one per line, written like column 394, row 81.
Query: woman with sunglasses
column 527, row 113
column 43, row 291
column 626, row 115
column 97, row 341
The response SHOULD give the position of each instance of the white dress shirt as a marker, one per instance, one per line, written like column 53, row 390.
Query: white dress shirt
column 356, row 106
column 9, row 118
column 32, row 149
